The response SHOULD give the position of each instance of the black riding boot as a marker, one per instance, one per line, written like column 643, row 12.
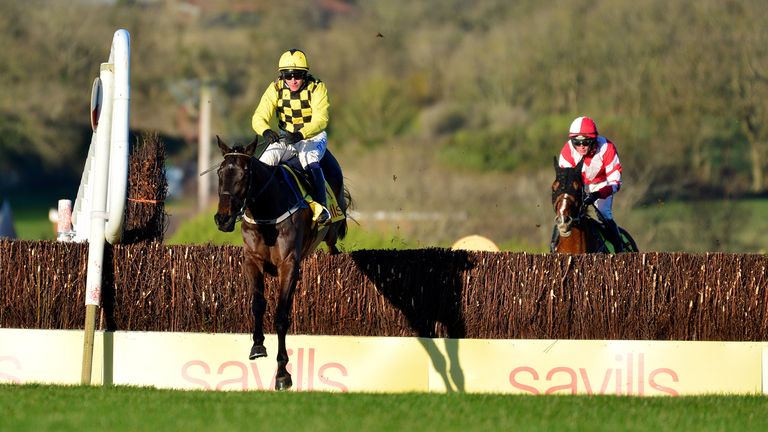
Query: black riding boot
column 318, row 180
column 612, row 232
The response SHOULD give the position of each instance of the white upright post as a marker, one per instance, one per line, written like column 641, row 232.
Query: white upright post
column 98, row 220
column 109, row 181
column 118, row 154
column 204, row 146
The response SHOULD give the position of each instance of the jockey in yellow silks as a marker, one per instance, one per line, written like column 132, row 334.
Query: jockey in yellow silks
column 301, row 103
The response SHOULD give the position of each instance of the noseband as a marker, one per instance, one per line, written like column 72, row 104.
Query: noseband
column 561, row 218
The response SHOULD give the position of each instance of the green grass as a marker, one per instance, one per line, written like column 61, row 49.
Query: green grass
column 77, row 408
column 701, row 226
column 201, row 229
column 694, row 227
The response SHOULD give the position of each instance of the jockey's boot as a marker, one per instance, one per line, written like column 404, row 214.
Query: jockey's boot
column 318, row 180
column 612, row 232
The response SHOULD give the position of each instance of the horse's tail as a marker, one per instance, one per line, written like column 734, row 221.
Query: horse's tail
column 346, row 207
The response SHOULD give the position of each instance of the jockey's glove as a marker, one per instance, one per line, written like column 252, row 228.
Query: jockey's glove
column 591, row 198
column 270, row 136
column 603, row 193
column 293, row 137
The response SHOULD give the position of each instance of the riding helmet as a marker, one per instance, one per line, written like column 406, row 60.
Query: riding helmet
column 293, row 59
column 583, row 126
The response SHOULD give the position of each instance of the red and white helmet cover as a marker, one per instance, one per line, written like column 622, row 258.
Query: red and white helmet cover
column 583, row 126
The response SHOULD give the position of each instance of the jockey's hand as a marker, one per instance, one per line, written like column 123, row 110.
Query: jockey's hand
column 591, row 198
column 293, row 137
column 603, row 193
column 270, row 136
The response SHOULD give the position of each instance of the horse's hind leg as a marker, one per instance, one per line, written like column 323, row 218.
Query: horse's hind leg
column 330, row 240
column 259, row 305
column 332, row 236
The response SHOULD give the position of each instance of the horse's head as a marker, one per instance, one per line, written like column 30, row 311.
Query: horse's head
column 234, row 183
column 567, row 197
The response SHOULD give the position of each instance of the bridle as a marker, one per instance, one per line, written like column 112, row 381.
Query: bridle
column 248, row 197
column 561, row 218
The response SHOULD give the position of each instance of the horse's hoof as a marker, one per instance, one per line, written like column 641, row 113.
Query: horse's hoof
column 283, row 383
column 257, row 351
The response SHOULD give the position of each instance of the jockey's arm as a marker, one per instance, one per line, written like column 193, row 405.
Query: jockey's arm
column 612, row 168
column 265, row 110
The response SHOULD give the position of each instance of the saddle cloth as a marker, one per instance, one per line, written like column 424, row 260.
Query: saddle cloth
column 303, row 184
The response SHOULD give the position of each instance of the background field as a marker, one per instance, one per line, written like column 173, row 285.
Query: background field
column 678, row 226
column 700, row 226
column 445, row 114
column 42, row 408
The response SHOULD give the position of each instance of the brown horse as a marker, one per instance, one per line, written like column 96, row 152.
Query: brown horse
column 575, row 231
column 278, row 232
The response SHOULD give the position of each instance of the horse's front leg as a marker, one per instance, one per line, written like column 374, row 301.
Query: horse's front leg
column 288, row 273
column 255, row 277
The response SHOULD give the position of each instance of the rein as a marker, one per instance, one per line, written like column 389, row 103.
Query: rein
column 566, row 219
column 248, row 197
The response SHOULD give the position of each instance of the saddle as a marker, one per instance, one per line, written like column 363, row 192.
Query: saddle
column 599, row 231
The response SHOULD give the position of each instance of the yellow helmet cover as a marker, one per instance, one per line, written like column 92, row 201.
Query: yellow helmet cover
column 293, row 59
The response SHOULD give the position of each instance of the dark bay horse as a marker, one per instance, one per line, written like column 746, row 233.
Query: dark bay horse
column 278, row 232
column 575, row 231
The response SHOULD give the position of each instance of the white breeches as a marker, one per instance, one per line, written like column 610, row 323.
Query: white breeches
column 606, row 207
column 310, row 150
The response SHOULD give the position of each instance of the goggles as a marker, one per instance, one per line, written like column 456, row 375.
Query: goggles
column 583, row 141
column 289, row 75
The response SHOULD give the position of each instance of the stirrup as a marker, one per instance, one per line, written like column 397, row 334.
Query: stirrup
column 324, row 217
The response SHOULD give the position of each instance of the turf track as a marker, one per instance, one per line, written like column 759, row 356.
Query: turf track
column 76, row 408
